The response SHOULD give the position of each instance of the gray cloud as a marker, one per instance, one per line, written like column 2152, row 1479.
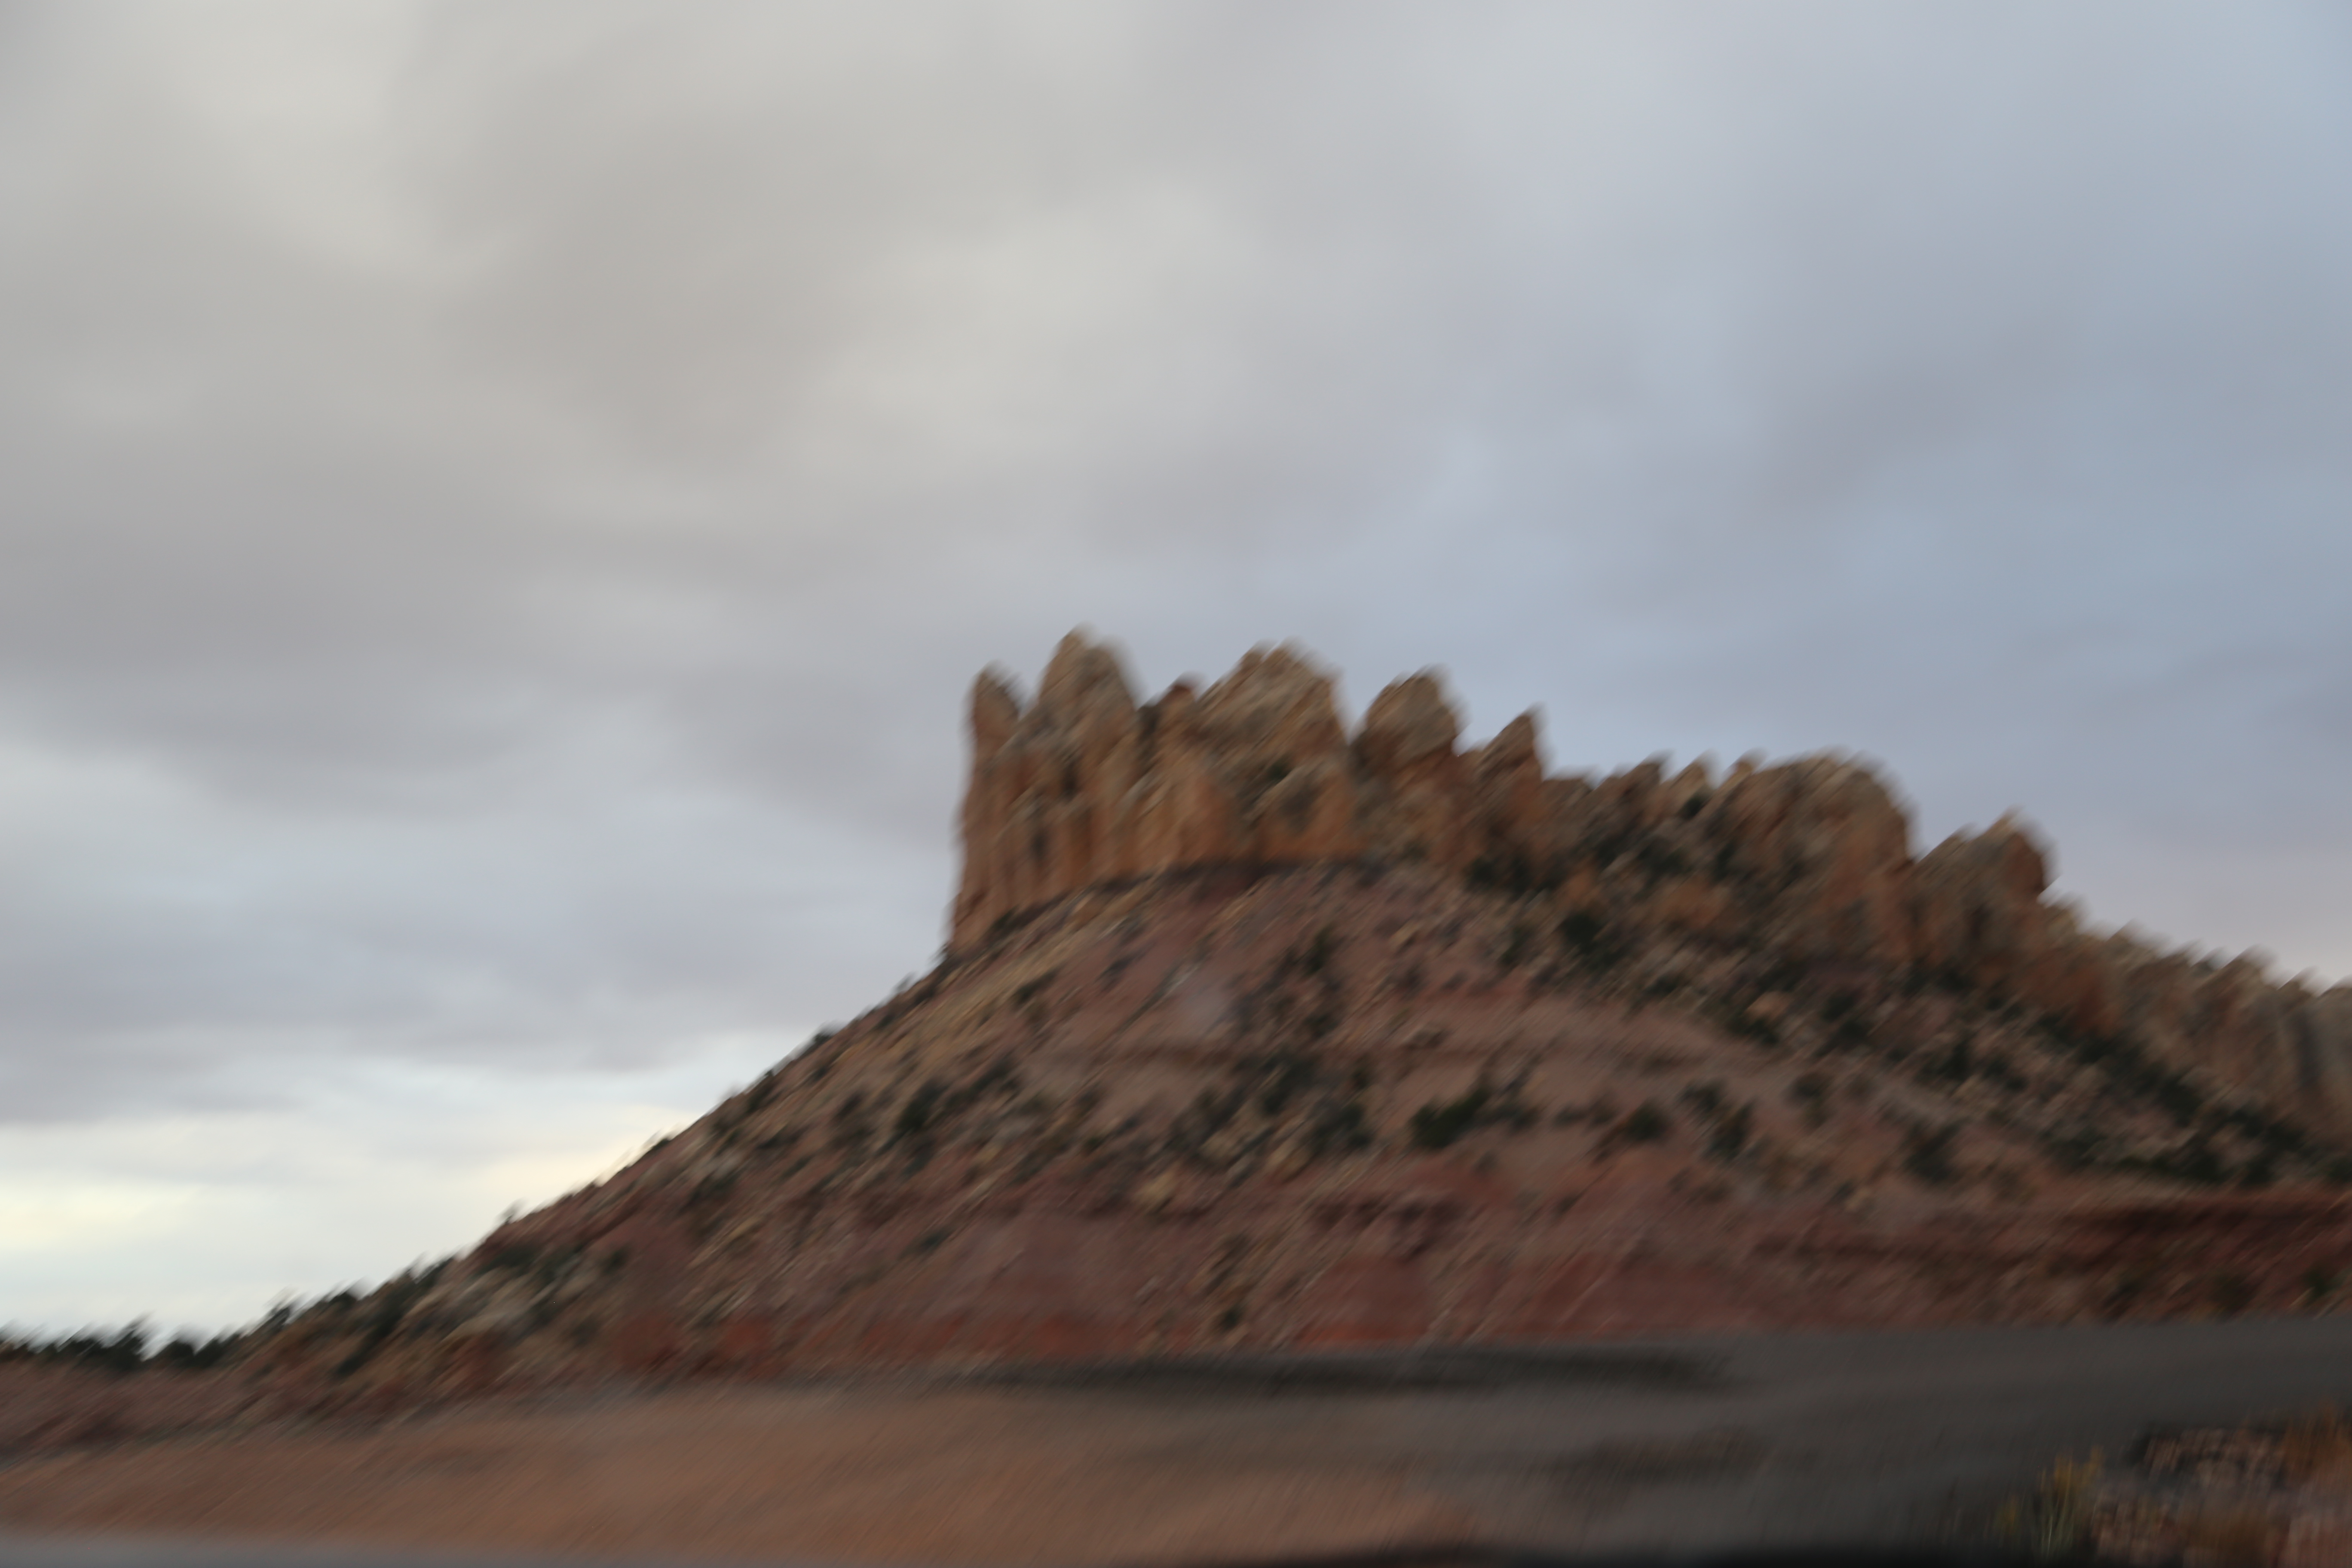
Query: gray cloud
column 501, row 500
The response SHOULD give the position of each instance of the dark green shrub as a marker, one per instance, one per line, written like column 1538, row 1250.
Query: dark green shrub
column 1589, row 939
column 1441, row 1122
column 1730, row 1136
column 1511, row 873
column 1340, row 1129
column 1927, row 1155
column 1954, row 1066
column 1706, row 1099
column 1282, row 1077
column 1662, row 860
column 521, row 1257
column 920, row 1113
column 184, row 1354
column 2195, row 1161
column 1646, row 1123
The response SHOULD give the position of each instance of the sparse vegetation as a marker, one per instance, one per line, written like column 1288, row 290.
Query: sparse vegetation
column 917, row 1113
column 1646, row 1123
column 1811, row 1091
column 2055, row 1520
column 132, row 1348
column 1728, row 1126
column 1661, row 860
column 1746, row 1023
column 1948, row 1066
column 1590, row 941
column 852, row 1124
column 1314, row 960
column 1728, row 1139
column 1927, row 1155
column 1510, row 872
column 2226, row 1497
column 1283, row 1076
column 1439, row 1123
column 122, row 1350
column 1339, row 1127
column 2230, row 1291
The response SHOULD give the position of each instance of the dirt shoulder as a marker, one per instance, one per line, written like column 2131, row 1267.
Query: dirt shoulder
column 1700, row 1443
column 866, row 1475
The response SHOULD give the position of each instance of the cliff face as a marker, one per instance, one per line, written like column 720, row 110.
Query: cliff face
column 1086, row 786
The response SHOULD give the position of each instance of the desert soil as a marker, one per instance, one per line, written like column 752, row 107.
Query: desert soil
column 1691, row 1443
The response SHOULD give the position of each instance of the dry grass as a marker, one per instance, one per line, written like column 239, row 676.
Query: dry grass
column 2055, row 1519
column 2268, row 1494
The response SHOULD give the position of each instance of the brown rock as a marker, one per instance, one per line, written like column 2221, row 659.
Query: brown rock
column 1086, row 787
column 2244, row 1034
column 1417, row 786
column 2322, row 1024
column 995, row 714
column 1045, row 787
column 1272, row 730
column 1620, row 805
column 1978, row 904
column 1825, row 837
column 1512, row 816
column 2077, row 980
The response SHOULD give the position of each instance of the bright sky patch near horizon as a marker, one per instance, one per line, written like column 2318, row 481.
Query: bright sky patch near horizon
column 502, row 503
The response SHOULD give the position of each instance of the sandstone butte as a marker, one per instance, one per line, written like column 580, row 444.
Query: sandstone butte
column 1253, row 1034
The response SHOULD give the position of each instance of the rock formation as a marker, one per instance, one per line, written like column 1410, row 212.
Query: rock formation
column 1089, row 788
column 1253, row 1034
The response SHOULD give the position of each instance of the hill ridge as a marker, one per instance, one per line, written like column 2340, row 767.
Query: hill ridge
column 1264, row 1036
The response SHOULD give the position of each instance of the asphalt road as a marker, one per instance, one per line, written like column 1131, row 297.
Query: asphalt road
column 1711, row 1444
column 1671, row 1447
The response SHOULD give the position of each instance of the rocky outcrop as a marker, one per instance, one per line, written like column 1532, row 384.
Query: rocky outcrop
column 1089, row 787
column 1811, row 859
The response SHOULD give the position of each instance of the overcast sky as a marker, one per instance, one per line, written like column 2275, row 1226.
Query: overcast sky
column 501, row 502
